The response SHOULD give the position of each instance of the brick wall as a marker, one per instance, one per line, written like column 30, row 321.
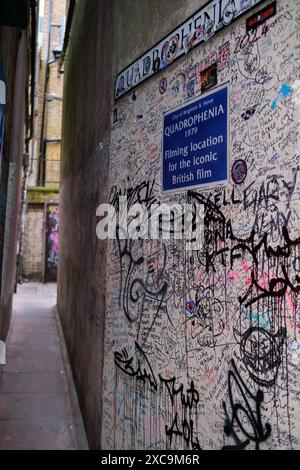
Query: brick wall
column 53, row 164
column 33, row 243
column 53, row 115
column 55, row 87
column 33, row 250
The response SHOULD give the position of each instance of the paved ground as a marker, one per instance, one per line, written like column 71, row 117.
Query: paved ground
column 37, row 405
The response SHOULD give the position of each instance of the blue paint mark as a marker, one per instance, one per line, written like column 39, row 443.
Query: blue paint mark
column 285, row 91
column 274, row 158
column 128, row 418
column 258, row 318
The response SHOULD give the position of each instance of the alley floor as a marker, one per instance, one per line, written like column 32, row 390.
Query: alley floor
column 38, row 403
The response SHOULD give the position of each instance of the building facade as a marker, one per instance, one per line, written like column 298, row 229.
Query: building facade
column 17, row 46
column 174, row 348
column 44, row 169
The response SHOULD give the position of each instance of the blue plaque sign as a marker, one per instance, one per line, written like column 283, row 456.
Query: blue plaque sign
column 196, row 142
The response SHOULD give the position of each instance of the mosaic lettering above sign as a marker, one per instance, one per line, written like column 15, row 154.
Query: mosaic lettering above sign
column 213, row 17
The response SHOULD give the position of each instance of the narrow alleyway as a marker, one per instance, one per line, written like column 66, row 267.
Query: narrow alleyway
column 38, row 407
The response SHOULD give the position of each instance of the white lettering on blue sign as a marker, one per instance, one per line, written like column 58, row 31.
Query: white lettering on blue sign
column 195, row 148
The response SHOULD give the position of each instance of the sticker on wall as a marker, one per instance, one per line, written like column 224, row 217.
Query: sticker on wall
column 209, row 77
column 239, row 171
column 190, row 88
column 190, row 307
column 169, row 50
column 163, row 85
column 139, row 118
column 261, row 16
column 175, row 88
column 248, row 113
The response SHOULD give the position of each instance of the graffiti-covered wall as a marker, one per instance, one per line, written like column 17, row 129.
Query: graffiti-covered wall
column 202, row 348
column 51, row 242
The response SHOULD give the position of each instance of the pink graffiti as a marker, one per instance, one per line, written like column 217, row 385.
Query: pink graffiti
column 153, row 423
column 54, row 239
column 224, row 56
column 233, row 276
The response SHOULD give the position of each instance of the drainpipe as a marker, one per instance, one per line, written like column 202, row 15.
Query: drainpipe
column 71, row 10
column 33, row 6
column 33, row 44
